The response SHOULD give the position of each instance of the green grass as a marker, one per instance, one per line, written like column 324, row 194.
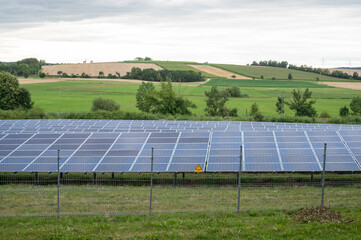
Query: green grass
column 264, row 83
column 77, row 96
column 270, row 72
column 207, row 213
column 173, row 65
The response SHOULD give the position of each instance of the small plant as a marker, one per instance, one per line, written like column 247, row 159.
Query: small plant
column 325, row 115
column 104, row 104
column 262, row 77
column 344, row 111
column 317, row 79
column 41, row 74
column 273, row 78
column 290, row 77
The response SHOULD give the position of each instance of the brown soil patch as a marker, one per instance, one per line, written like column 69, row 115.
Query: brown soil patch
column 93, row 69
column 319, row 214
column 218, row 72
column 348, row 85
column 49, row 80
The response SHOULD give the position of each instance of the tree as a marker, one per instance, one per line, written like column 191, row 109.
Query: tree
column 344, row 111
column 163, row 101
column 290, row 77
column 104, row 104
column 216, row 103
column 233, row 92
column 146, row 97
column 355, row 76
column 60, row 72
column 254, row 109
column 101, row 74
column 26, row 74
column 148, row 59
column 355, row 105
column 11, row 95
column 300, row 105
column 280, row 105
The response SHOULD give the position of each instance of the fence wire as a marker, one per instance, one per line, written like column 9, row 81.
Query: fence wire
column 26, row 194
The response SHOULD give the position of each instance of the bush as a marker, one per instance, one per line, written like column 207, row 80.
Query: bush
column 355, row 106
column 254, row 109
column 325, row 115
column 258, row 117
column 104, row 104
column 344, row 111
column 41, row 74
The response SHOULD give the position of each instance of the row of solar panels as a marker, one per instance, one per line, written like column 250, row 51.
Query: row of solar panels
column 269, row 151
column 70, row 125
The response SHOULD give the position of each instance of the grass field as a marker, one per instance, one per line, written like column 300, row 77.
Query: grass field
column 78, row 95
column 172, row 65
column 263, row 83
column 206, row 213
column 270, row 72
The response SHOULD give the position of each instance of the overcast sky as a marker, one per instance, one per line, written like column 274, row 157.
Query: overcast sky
column 318, row 33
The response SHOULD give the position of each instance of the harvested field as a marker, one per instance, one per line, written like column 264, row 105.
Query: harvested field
column 348, row 85
column 93, row 69
column 346, row 70
column 218, row 72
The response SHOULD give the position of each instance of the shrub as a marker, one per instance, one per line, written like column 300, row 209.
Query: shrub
column 258, row 117
column 254, row 109
column 355, row 105
column 41, row 74
column 104, row 104
column 325, row 115
column 344, row 111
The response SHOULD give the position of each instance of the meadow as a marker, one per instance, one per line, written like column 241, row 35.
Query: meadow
column 77, row 96
column 270, row 72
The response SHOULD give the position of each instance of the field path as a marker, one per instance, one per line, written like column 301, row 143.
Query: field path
column 348, row 85
column 218, row 71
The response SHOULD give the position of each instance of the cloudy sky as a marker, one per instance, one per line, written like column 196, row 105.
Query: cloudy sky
column 318, row 33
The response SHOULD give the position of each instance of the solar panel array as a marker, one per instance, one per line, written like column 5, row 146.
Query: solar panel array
column 179, row 146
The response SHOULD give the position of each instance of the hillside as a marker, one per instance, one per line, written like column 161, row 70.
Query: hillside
column 270, row 72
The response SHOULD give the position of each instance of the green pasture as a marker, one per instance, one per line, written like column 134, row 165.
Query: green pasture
column 77, row 96
column 172, row 65
column 270, row 72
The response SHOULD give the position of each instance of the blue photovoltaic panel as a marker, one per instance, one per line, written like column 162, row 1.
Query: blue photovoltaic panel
column 125, row 145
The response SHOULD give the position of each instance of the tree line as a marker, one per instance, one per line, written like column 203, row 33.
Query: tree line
column 24, row 67
column 305, row 68
column 162, row 75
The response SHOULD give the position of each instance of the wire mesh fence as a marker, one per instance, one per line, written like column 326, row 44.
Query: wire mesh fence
column 26, row 194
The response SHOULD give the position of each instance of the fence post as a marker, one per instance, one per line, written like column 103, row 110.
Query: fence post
column 151, row 182
column 239, row 179
column 58, row 215
column 323, row 174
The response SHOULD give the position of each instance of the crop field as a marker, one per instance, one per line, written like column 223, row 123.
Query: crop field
column 172, row 65
column 263, row 83
column 93, row 69
column 218, row 72
column 270, row 72
column 77, row 96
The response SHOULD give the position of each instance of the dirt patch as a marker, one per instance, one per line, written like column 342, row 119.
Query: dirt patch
column 93, row 69
column 348, row 85
column 218, row 72
column 319, row 214
column 30, row 81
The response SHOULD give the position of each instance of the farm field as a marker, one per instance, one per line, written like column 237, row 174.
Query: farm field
column 173, row 65
column 78, row 96
column 218, row 72
column 93, row 69
column 270, row 72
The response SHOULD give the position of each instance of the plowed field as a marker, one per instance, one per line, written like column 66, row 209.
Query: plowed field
column 218, row 72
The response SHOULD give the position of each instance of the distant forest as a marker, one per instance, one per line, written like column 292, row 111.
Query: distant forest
column 24, row 68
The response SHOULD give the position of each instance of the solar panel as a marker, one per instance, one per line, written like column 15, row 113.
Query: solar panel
column 125, row 145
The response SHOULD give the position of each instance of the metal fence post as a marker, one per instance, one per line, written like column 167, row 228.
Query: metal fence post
column 323, row 174
column 239, row 179
column 151, row 182
column 58, row 215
